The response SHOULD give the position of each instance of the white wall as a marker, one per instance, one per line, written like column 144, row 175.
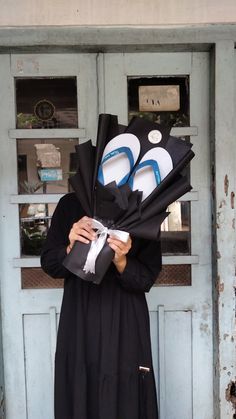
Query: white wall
column 115, row 12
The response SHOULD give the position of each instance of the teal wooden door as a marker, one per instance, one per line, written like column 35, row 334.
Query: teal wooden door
column 50, row 104
column 173, row 88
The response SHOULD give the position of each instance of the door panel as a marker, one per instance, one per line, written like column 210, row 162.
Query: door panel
column 181, row 313
column 38, row 365
column 171, row 339
column 43, row 114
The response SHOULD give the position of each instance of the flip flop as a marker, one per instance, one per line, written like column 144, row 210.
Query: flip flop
column 118, row 159
column 150, row 171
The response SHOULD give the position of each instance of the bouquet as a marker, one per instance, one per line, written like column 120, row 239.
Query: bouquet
column 125, row 185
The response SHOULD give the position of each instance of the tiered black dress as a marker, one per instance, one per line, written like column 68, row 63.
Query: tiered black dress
column 103, row 336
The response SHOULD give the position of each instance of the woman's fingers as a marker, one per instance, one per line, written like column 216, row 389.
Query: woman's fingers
column 82, row 231
column 83, row 237
column 119, row 247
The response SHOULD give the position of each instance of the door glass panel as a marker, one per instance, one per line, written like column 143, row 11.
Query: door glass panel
column 34, row 224
column 176, row 275
column 36, row 278
column 176, row 230
column 44, row 166
column 165, row 100
column 46, row 102
column 160, row 99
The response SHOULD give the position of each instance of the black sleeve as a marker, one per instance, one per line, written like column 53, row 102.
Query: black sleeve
column 54, row 249
column 142, row 269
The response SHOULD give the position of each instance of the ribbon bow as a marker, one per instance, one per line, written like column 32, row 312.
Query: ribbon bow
column 97, row 244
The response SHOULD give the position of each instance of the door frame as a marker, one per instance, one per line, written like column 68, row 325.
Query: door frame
column 220, row 40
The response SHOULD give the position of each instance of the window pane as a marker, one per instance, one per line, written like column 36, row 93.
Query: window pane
column 160, row 99
column 44, row 166
column 34, row 224
column 36, row 278
column 46, row 102
column 176, row 230
column 178, row 275
column 165, row 100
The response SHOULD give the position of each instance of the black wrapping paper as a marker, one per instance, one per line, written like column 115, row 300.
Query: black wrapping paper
column 119, row 207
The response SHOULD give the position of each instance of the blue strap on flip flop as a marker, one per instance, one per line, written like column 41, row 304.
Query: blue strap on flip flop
column 113, row 153
column 153, row 164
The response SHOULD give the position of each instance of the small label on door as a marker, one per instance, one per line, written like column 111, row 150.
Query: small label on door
column 159, row 98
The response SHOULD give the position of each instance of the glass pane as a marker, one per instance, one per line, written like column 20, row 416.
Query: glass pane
column 36, row 278
column 165, row 100
column 160, row 99
column 46, row 102
column 44, row 166
column 176, row 230
column 34, row 224
column 178, row 275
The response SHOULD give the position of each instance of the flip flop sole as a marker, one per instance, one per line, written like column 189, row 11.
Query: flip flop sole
column 145, row 178
column 118, row 159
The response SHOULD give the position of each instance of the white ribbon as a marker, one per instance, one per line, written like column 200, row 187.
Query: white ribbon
column 97, row 244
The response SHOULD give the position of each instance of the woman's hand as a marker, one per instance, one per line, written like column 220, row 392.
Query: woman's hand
column 121, row 249
column 81, row 231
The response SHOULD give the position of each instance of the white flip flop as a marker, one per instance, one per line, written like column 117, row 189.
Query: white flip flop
column 118, row 159
column 150, row 171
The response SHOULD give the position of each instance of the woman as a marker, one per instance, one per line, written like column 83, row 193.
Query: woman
column 103, row 365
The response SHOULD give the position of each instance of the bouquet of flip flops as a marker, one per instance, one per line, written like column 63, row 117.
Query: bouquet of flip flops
column 125, row 184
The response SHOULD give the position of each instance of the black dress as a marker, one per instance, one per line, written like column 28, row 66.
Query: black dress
column 104, row 335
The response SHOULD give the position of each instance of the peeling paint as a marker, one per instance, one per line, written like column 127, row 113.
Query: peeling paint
column 218, row 255
column 220, row 217
column 230, row 393
column 232, row 196
column 222, row 203
column 226, row 185
column 221, row 286
column 2, row 404
column 226, row 335
column 205, row 328
column 233, row 223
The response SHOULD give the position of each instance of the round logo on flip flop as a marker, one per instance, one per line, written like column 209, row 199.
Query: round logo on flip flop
column 154, row 136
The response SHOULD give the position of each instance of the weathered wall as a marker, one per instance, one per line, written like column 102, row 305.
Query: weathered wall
column 114, row 12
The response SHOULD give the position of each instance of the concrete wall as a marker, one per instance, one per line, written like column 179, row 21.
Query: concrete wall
column 116, row 12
